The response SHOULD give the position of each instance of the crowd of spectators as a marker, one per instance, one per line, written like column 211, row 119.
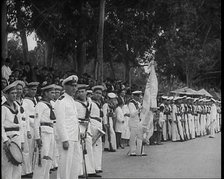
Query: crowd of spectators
column 24, row 71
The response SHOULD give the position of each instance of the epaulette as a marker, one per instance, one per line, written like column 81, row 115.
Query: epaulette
column 61, row 97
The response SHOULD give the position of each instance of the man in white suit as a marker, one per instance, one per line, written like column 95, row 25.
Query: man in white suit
column 67, row 127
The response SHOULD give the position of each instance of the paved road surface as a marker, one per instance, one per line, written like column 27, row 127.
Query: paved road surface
column 198, row 158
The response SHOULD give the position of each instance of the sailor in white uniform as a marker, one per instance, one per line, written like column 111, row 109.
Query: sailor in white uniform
column 67, row 127
column 96, row 117
column 84, row 106
column 11, row 131
column 44, row 133
column 108, row 121
column 29, row 103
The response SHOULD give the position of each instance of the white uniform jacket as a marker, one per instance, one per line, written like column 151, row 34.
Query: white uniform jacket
column 8, row 122
column 42, row 117
column 67, row 124
column 119, row 126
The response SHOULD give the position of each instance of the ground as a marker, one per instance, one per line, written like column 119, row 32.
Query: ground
column 197, row 158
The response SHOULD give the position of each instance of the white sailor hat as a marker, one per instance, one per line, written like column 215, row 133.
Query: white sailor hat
column 32, row 84
column 10, row 87
column 69, row 80
column 48, row 87
column 137, row 92
column 170, row 98
column 82, row 86
column 57, row 87
column 196, row 99
column 212, row 99
column 111, row 95
column 98, row 87
column 19, row 82
column 89, row 91
column 164, row 97
column 162, row 105
column 176, row 98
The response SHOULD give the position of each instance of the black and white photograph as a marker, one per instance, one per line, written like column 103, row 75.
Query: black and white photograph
column 95, row 89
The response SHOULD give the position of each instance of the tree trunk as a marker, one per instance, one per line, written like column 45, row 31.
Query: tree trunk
column 100, row 41
column 24, row 44
column 4, row 34
column 22, row 30
column 127, row 70
column 81, row 57
column 49, row 47
column 112, row 68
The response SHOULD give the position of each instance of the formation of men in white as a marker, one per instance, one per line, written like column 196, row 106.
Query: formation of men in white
column 70, row 130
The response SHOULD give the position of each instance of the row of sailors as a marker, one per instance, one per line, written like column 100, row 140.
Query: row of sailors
column 185, row 118
column 46, row 143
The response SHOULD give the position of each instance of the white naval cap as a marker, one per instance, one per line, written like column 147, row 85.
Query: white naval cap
column 212, row 99
column 137, row 92
column 82, row 86
column 57, row 87
column 10, row 87
column 98, row 87
column 19, row 82
column 32, row 84
column 164, row 97
column 111, row 95
column 196, row 99
column 48, row 87
column 70, row 79
column 89, row 91
column 170, row 98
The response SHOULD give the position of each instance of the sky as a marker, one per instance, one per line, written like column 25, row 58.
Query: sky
column 30, row 40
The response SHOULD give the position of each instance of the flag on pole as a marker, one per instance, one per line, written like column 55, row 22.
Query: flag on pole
column 149, row 102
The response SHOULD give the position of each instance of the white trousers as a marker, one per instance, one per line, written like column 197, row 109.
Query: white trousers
column 89, row 159
column 112, row 136
column 174, row 132
column 97, row 153
column 69, row 160
column 43, row 171
column 26, row 165
column 135, row 141
column 10, row 171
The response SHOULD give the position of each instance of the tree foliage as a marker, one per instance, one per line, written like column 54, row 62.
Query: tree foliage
column 186, row 34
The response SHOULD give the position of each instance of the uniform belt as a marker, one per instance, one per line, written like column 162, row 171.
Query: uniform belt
column 46, row 124
column 96, row 118
column 11, row 129
column 31, row 116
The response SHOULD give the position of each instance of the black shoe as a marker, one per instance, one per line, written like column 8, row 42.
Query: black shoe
column 106, row 149
column 99, row 171
column 112, row 150
column 143, row 154
column 81, row 176
column 94, row 175
column 121, row 146
column 133, row 154
column 30, row 175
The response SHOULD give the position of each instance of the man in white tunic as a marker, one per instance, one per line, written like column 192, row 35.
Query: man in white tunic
column 108, row 115
column 96, row 117
column 44, row 133
column 135, row 142
column 29, row 103
column 67, row 127
column 11, row 131
column 213, row 119
column 84, row 106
